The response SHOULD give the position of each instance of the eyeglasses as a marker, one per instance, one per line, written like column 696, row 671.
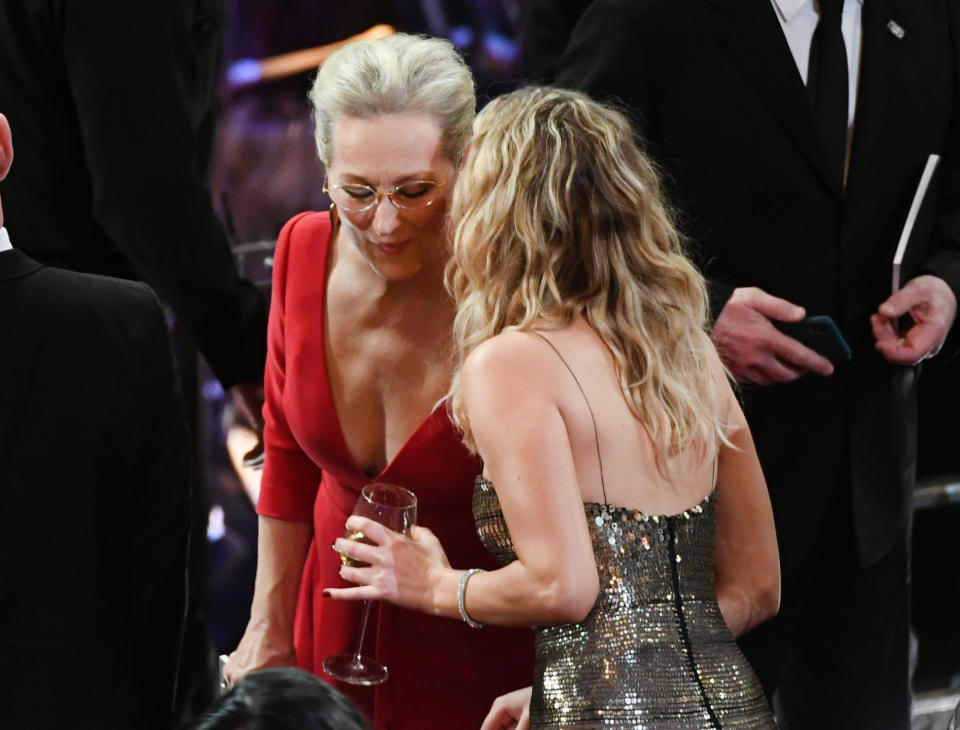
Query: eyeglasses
column 358, row 198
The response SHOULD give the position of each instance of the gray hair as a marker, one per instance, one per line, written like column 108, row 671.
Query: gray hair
column 399, row 73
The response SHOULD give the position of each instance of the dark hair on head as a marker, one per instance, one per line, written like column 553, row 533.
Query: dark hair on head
column 283, row 698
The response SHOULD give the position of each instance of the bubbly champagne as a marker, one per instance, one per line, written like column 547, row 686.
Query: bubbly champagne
column 358, row 536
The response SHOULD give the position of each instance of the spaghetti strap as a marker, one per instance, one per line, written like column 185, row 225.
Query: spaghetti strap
column 596, row 432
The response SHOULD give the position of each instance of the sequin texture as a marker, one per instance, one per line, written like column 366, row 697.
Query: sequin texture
column 654, row 652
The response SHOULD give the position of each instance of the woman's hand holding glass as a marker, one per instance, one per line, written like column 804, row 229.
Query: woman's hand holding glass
column 380, row 505
column 402, row 569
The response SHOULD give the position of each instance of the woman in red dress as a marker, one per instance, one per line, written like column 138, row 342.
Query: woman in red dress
column 359, row 355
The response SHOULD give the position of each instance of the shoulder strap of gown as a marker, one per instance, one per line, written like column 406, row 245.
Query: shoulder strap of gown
column 596, row 432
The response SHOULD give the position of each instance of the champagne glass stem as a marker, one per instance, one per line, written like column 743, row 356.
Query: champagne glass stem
column 363, row 634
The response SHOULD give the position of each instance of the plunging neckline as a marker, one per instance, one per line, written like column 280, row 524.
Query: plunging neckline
column 350, row 459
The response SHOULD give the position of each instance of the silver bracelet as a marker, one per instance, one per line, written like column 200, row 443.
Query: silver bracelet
column 460, row 591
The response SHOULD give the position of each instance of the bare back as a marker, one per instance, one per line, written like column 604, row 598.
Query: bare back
column 630, row 476
column 534, row 430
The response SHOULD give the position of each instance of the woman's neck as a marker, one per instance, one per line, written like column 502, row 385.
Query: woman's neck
column 419, row 304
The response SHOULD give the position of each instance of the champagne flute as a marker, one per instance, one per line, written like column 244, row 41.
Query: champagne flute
column 396, row 508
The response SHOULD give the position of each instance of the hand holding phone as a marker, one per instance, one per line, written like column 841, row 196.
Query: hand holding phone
column 821, row 334
column 753, row 350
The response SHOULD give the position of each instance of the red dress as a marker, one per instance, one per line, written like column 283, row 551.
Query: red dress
column 443, row 674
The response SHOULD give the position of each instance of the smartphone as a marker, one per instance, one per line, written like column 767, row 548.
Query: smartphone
column 821, row 334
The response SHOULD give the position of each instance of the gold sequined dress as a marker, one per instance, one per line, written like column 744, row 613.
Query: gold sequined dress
column 654, row 652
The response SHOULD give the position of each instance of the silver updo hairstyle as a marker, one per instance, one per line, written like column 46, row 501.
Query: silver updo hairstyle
column 396, row 74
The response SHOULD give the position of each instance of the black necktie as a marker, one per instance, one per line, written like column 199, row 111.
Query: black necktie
column 827, row 84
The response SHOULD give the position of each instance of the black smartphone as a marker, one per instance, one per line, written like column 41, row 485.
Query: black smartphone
column 820, row 333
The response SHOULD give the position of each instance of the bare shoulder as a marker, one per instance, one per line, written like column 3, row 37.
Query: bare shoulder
column 510, row 393
column 502, row 353
column 510, row 365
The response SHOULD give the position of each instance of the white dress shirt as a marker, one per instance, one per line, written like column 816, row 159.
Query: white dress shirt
column 799, row 19
column 5, row 244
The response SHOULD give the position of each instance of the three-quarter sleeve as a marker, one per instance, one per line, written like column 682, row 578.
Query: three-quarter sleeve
column 290, row 478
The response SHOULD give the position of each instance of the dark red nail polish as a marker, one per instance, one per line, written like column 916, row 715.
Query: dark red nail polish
column 325, row 594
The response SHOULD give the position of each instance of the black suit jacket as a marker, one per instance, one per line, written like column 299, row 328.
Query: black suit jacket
column 546, row 30
column 718, row 97
column 111, row 106
column 94, row 490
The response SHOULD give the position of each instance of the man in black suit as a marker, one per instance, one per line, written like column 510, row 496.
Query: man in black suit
column 792, row 134
column 113, row 103
column 94, row 481
column 546, row 30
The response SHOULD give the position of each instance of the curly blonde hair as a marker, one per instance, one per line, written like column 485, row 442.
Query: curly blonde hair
column 558, row 214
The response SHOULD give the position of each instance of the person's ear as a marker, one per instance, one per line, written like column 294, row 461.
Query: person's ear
column 6, row 147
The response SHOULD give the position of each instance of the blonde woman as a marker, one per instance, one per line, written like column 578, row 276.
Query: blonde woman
column 359, row 353
column 621, row 491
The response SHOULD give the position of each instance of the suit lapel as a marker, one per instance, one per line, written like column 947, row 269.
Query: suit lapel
column 751, row 34
column 880, row 56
